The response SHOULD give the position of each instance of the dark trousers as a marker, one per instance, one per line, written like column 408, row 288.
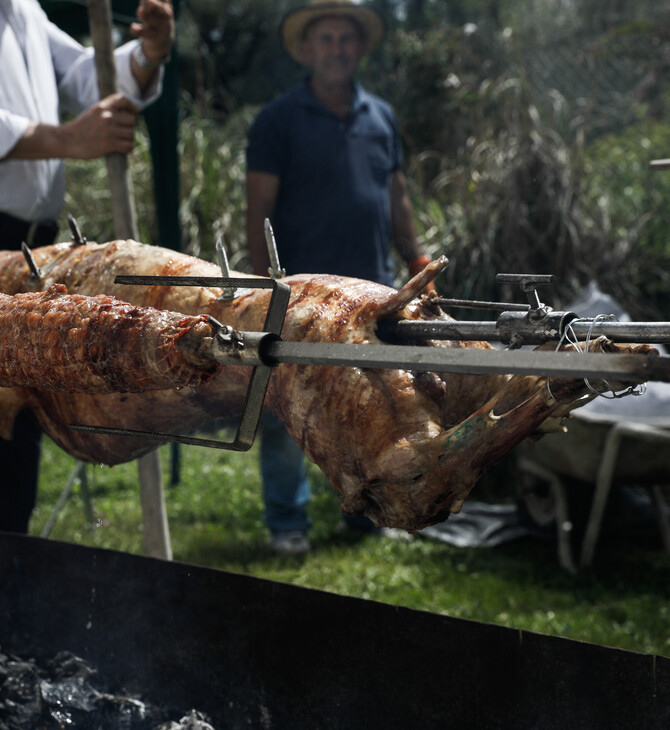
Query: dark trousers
column 19, row 458
column 19, row 466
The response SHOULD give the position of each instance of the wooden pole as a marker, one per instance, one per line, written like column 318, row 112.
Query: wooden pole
column 154, row 513
column 120, row 184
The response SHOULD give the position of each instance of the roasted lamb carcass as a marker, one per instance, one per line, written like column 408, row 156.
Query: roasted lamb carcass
column 404, row 448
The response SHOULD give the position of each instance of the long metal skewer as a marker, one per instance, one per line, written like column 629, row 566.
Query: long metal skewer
column 641, row 332
column 263, row 350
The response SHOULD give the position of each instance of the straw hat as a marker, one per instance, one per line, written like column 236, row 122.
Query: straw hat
column 295, row 23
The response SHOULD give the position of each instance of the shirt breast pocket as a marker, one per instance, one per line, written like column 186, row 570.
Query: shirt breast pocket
column 377, row 155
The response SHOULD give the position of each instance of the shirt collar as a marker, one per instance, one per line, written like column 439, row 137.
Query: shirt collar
column 360, row 101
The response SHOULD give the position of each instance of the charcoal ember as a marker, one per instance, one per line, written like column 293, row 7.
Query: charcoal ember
column 194, row 720
column 66, row 692
column 20, row 699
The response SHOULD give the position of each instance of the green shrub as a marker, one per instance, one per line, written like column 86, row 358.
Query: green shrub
column 628, row 202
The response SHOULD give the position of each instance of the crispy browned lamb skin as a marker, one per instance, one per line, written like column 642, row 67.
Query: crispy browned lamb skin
column 55, row 341
column 404, row 448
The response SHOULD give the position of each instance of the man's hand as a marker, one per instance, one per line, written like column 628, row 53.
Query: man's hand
column 155, row 29
column 104, row 128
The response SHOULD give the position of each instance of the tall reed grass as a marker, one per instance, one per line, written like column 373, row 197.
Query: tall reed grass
column 519, row 196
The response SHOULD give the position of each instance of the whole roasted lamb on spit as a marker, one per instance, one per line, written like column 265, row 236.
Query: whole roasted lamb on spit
column 402, row 447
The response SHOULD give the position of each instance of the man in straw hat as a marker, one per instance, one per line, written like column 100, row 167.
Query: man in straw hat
column 324, row 165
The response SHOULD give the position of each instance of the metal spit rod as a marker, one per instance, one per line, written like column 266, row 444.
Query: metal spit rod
column 264, row 350
column 534, row 323
column 503, row 329
column 267, row 349
column 626, row 368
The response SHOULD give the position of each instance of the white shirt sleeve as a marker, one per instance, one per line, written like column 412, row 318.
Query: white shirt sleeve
column 77, row 82
column 12, row 129
column 44, row 71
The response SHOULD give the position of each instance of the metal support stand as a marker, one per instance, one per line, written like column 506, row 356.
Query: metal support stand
column 156, row 533
column 175, row 464
column 79, row 472
column 658, row 500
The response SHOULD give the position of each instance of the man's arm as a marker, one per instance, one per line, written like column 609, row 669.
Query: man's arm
column 403, row 229
column 402, row 219
column 262, row 190
column 106, row 127
column 156, row 33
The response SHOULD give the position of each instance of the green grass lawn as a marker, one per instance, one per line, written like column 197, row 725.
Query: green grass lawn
column 215, row 516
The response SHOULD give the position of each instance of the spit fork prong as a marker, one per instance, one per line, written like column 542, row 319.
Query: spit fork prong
column 275, row 270
column 260, row 374
column 77, row 238
column 35, row 272
column 227, row 292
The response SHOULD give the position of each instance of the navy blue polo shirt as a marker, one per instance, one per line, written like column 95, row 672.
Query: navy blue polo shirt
column 333, row 213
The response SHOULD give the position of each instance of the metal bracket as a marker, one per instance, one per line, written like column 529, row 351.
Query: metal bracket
column 518, row 324
column 521, row 329
column 528, row 282
column 260, row 375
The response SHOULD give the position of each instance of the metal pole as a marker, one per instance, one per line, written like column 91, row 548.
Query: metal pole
column 154, row 514
column 532, row 333
column 78, row 472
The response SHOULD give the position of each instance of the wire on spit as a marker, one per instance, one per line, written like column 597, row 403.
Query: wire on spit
column 571, row 339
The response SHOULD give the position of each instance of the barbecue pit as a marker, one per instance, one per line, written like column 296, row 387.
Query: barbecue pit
column 255, row 653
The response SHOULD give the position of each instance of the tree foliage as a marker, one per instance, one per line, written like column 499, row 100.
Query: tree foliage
column 528, row 131
column 517, row 117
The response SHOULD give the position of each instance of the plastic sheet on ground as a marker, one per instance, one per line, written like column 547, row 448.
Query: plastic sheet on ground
column 479, row 525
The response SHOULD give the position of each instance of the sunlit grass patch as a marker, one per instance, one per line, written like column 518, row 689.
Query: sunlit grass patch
column 216, row 520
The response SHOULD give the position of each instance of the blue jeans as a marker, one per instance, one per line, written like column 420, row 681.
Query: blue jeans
column 286, row 491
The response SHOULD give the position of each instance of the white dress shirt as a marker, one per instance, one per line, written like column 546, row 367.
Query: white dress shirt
column 43, row 71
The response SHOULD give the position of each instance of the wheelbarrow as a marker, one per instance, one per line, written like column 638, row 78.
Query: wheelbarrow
column 605, row 449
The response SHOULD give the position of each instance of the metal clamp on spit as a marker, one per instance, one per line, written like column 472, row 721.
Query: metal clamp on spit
column 539, row 323
column 523, row 324
column 228, row 347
